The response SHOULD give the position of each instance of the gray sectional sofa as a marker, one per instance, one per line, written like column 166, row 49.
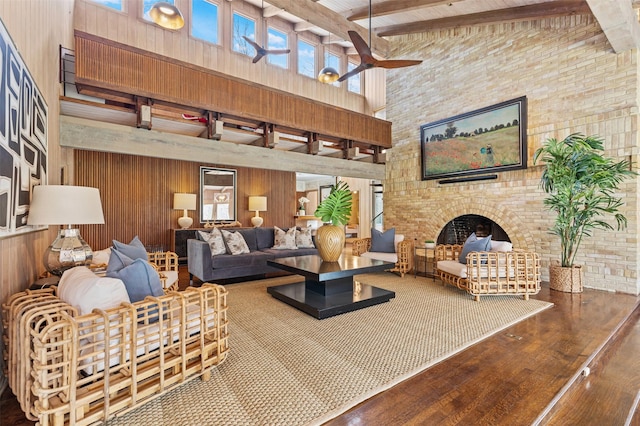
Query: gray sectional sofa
column 260, row 241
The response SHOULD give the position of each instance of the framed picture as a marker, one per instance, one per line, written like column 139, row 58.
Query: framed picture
column 324, row 192
column 491, row 139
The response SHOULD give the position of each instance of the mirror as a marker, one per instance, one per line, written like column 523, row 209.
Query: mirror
column 217, row 195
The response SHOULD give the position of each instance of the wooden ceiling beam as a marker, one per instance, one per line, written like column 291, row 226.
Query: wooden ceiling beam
column 619, row 22
column 395, row 6
column 331, row 21
column 522, row 13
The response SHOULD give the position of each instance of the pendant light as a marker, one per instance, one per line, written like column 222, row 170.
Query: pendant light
column 166, row 15
column 328, row 74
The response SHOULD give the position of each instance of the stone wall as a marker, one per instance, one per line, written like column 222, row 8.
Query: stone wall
column 573, row 82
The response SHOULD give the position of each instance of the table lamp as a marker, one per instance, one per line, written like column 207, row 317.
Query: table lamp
column 184, row 202
column 65, row 205
column 257, row 204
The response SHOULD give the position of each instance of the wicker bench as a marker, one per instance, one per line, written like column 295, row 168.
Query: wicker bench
column 70, row 369
column 488, row 272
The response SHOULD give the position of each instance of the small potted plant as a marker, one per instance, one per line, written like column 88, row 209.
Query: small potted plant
column 430, row 244
column 334, row 211
column 581, row 183
column 302, row 201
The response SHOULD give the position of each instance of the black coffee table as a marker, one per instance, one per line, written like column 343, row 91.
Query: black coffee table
column 329, row 288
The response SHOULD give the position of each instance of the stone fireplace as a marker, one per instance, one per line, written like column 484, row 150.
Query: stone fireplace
column 459, row 228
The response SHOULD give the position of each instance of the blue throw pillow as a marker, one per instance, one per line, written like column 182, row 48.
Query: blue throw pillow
column 482, row 244
column 383, row 242
column 138, row 276
column 134, row 250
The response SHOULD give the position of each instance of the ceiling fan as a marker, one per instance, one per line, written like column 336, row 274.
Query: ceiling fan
column 367, row 60
column 261, row 51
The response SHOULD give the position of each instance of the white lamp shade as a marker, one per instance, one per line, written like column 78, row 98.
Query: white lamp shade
column 65, row 205
column 258, row 204
column 184, row 201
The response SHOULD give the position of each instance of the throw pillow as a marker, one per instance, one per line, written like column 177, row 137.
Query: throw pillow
column 383, row 242
column 284, row 240
column 304, row 239
column 139, row 277
column 235, row 242
column 86, row 291
column 215, row 241
column 471, row 238
column 482, row 244
column 134, row 250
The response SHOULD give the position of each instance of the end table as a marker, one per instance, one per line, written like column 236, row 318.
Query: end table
column 429, row 256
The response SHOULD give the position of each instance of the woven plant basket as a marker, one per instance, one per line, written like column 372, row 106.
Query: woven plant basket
column 565, row 278
column 330, row 242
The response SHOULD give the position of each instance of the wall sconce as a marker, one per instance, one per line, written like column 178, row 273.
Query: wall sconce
column 184, row 202
column 65, row 205
column 257, row 204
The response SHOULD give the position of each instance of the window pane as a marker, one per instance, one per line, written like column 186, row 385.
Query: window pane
column 114, row 4
column 204, row 20
column 353, row 83
column 277, row 40
column 306, row 59
column 333, row 61
column 146, row 7
column 243, row 26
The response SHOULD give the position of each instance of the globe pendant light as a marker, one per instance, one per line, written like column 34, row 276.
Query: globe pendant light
column 166, row 15
column 328, row 74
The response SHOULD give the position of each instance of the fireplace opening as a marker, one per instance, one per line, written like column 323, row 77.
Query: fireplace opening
column 459, row 229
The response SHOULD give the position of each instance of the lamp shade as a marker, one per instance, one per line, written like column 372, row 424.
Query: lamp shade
column 166, row 15
column 65, row 205
column 184, row 201
column 258, row 204
column 328, row 75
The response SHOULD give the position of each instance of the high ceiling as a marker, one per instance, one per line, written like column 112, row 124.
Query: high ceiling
column 396, row 17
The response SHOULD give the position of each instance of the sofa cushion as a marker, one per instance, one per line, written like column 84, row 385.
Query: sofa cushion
column 235, row 242
column 387, row 257
column 277, row 253
column 482, row 244
column 264, row 238
column 256, row 258
column 139, row 277
column 250, row 238
column 452, row 267
column 284, row 240
column 134, row 250
column 86, row 291
column 383, row 242
column 304, row 239
column 101, row 257
column 215, row 241
column 501, row 246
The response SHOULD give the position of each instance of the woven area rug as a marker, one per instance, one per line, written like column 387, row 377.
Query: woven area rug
column 288, row 368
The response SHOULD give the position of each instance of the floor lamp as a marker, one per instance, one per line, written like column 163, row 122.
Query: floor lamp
column 65, row 205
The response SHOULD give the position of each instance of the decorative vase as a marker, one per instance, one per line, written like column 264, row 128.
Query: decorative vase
column 430, row 245
column 330, row 242
column 565, row 278
column 301, row 212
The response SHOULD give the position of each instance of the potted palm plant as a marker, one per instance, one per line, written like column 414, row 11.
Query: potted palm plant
column 580, row 182
column 334, row 211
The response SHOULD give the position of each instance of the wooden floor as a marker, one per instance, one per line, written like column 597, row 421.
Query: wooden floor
column 530, row 373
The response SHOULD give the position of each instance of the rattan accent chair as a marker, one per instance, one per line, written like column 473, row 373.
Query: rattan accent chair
column 489, row 272
column 404, row 253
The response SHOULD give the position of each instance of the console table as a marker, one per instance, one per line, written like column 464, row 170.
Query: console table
column 329, row 288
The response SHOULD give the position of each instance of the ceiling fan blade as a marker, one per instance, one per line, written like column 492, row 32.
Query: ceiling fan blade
column 252, row 43
column 361, row 46
column 353, row 72
column 259, row 56
column 278, row 51
column 396, row 63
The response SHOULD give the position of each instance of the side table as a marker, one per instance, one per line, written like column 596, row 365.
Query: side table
column 429, row 265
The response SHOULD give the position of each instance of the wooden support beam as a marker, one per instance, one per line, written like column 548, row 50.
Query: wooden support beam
column 619, row 22
column 549, row 9
column 313, row 144
column 395, row 6
column 143, row 113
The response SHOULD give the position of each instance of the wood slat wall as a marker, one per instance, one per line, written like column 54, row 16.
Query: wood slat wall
column 137, row 195
column 102, row 63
